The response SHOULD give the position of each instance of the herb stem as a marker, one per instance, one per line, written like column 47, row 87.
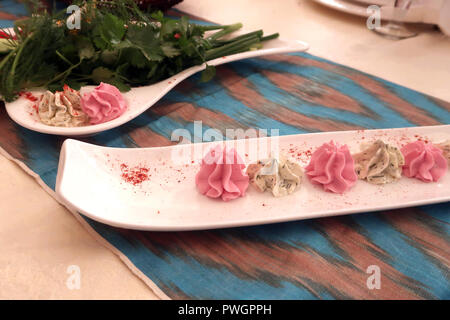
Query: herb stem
column 231, row 48
column 63, row 58
column 212, row 27
column 229, row 29
column 5, row 59
column 10, row 80
column 64, row 74
column 258, row 33
column 270, row 37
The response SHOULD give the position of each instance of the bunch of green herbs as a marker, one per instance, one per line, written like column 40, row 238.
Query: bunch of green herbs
column 117, row 44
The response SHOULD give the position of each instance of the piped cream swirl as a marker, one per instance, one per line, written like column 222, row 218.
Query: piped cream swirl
column 379, row 163
column 62, row 109
column 280, row 176
column 445, row 147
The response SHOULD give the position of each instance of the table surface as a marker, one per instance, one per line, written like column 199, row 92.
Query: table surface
column 43, row 240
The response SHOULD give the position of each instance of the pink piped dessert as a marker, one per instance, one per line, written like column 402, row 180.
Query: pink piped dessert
column 423, row 161
column 104, row 103
column 332, row 166
column 221, row 175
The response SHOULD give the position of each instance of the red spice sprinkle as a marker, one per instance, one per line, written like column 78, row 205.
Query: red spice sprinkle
column 29, row 96
column 4, row 35
column 135, row 175
column 67, row 88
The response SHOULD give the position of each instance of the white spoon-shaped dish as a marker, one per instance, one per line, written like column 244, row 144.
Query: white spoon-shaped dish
column 140, row 98
column 91, row 180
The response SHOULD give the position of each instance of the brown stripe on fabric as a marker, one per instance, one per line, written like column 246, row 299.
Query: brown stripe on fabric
column 183, row 112
column 316, row 93
column 276, row 262
column 144, row 137
column 377, row 89
column 243, row 90
column 424, row 233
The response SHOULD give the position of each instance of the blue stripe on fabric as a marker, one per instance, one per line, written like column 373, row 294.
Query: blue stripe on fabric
column 220, row 101
column 413, row 97
column 199, row 287
column 440, row 212
column 6, row 24
column 13, row 7
column 299, row 234
column 422, row 102
column 344, row 85
column 397, row 246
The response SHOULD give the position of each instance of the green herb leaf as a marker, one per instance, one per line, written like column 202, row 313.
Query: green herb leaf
column 208, row 73
column 145, row 39
column 117, row 44
column 85, row 48
column 169, row 50
column 110, row 31
column 119, row 84
column 102, row 74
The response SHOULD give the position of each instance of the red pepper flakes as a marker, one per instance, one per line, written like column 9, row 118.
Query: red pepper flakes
column 29, row 96
column 67, row 88
column 135, row 175
column 4, row 35
column 420, row 138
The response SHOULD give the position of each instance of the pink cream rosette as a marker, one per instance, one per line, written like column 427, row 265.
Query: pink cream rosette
column 103, row 104
column 221, row 175
column 332, row 166
column 423, row 161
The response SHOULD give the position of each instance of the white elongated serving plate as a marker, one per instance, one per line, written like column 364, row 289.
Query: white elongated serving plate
column 89, row 180
column 139, row 99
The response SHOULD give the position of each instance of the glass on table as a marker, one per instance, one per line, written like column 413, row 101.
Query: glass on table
column 394, row 29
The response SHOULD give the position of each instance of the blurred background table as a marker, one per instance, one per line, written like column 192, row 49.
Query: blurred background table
column 41, row 239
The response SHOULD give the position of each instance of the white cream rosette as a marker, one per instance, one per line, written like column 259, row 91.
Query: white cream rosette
column 279, row 175
column 62, row 109
column 379, row 163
